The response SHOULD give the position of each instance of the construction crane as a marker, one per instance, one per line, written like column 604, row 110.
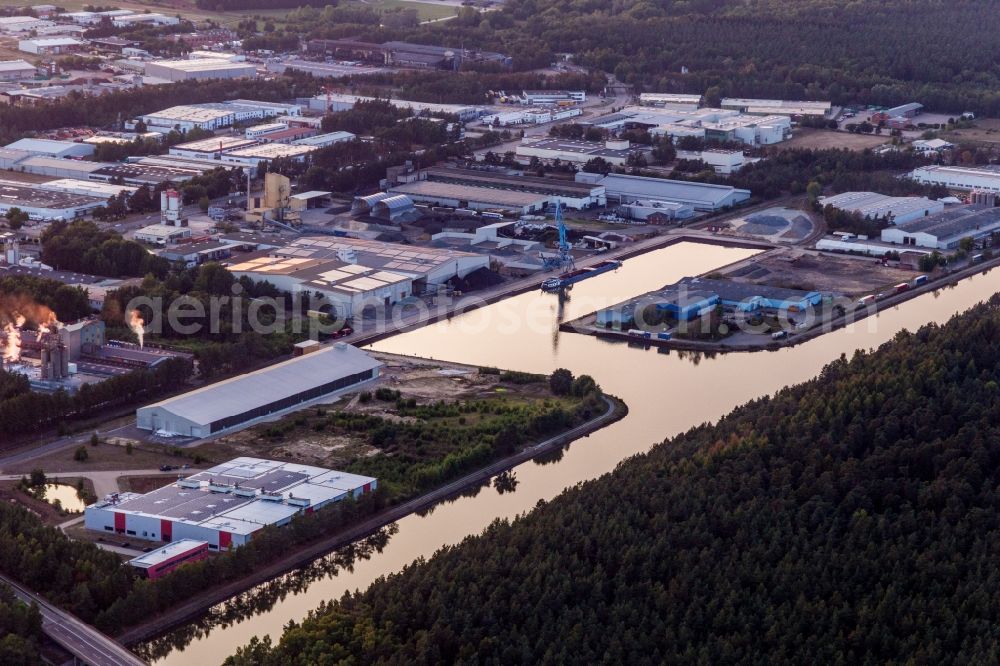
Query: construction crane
column 565, row 259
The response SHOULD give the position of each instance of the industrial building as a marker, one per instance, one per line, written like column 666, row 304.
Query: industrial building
column 944, row 231
column 214, row 115
column 553, row 96
column 323, row 69
column 16, row 24
column 324, row 140
column 894, row 210
column 403, row 54
column 427, row 266
column 655, row 212
column 569, row 194
column 531, row 116
column 701, row 196
column 199, row 68
column 163, row 560
column 189, row 116
column 17, row 70
column 722, row 161
column 751, row 130
column 254, row 156
column 348, row 288
column 779, row 107
column 225, row 505
column 670, row 99
column 928, row 146
column 211, row 148
column 287, row 135
column 161, row 234
column 90, row 188
column 612, row 151
column 238, row 401
column 334, row 102
column 52, row 148
column 41, row 204
column 959, row 177
column 51, row 45
column 694, row 297
column 257, row 130
column 679, row 121
column 151, row 18
column 457, row 195
column 393, row 208
column 151, row 170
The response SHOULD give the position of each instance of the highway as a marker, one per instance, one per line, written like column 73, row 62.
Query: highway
column 78, row 638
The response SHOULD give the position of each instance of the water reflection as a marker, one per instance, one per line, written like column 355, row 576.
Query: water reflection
column 65, row 495
column 666, row 393
column 263, row 597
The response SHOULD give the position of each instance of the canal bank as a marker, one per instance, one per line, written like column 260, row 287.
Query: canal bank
column 195, row 607
column 667, row 393
column 586, row 326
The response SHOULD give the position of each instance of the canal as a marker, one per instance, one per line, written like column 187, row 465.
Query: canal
column 667, row 393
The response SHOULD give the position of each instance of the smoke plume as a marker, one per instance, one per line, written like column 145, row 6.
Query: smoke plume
column 136, row 323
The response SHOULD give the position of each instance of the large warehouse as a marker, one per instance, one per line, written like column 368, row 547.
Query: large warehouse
column 959, row 177
column 187, row 70
column 782, row 107
column 238, row 401
column 612, row 151
column 224, row 505
column 52, row 148
column 701, row 196
column 41, row 204
column 946, row 230
column 457, row 195
column 872, row 205
column 348, row 287
column 343, row 102
column 425, row 265
column 570, row 194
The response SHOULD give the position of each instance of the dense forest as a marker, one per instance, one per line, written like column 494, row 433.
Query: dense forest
column 20, row 630
column 25, row 411
column 851, row 519
column 794, row 49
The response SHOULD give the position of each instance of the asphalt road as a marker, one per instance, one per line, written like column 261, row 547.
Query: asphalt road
column 35, row 452
column 78, row 638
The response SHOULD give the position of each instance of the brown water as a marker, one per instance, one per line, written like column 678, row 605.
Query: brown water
column 666, row 394
column 66, row 495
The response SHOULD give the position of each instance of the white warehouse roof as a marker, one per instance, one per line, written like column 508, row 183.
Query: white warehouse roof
column 266, row 386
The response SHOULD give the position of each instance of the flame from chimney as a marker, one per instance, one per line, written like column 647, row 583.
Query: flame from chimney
column 136, row 323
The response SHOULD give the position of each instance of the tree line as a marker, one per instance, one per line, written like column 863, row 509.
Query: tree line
column 23, row 411
column 850, row 519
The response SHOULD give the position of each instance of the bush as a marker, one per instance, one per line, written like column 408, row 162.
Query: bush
column 80, row 455
column 386, row 394
column 517, row 377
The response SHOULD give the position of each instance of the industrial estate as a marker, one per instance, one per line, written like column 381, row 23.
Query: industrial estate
column 216, row 225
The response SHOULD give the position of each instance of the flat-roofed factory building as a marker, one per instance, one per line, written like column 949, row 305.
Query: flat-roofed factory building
column 349, row 288
column 241, row 400
column 225, row 505
column 186, row 70
column 700, row 196
column 426, row 266
column 483, row 186
column 872, row 205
